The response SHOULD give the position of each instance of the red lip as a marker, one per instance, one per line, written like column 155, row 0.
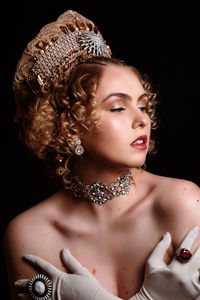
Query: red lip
column 142, row 145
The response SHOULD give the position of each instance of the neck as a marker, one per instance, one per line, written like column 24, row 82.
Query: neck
column 90, row 174
column 96, row 172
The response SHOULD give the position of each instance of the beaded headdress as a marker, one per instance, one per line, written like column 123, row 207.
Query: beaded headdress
column 57, row 48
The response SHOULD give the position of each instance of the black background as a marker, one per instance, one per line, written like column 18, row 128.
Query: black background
column 159, row 38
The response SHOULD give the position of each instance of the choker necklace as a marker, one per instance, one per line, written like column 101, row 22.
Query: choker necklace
column 100, row 193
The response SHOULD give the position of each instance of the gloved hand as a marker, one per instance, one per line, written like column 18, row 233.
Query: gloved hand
column 80, row 285
column 178, row 280
column 174, row 281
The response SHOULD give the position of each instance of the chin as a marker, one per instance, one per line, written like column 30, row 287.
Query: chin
column 134, row 164
column 138, row 160
column 139, row 165
column 135, row 161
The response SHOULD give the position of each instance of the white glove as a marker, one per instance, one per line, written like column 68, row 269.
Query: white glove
column 175, row 281
column 81, row 285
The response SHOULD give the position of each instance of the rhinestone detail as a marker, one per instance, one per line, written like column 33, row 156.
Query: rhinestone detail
column 93, row 43
column 79, row 150
column 55, row 54
column 78, row 39
column 40, row 287
column 100, row 193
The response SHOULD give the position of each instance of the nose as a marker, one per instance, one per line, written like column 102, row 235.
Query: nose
column 140, row 119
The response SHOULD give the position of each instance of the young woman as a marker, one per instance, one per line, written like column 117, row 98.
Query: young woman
column 93, row 115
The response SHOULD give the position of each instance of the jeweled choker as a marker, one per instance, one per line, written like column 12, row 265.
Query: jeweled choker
column 100, row 193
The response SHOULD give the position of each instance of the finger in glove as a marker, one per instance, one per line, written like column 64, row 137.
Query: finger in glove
column 74, row 265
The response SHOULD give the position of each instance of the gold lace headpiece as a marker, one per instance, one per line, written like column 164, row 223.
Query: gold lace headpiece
column 57, row 48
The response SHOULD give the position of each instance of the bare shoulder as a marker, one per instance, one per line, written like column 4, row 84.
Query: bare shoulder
column 25, row 235
column 32, row 224
column 37, row 215
column 176, row 205
column 176, row 192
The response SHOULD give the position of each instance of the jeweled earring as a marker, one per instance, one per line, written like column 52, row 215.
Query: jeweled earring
column 60, row 170
column 79, row 149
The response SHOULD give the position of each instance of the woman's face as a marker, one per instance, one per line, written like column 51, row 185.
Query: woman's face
column 123, row 134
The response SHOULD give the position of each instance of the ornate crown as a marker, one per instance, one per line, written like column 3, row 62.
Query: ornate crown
column 58, row 46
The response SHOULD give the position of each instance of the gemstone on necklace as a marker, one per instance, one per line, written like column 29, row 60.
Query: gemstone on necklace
column 100, row 193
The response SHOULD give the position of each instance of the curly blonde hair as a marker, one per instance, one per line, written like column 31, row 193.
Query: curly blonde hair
column 49, row 121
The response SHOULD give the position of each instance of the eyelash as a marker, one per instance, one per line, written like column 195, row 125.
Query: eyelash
column 143, row 109
column 119, row 109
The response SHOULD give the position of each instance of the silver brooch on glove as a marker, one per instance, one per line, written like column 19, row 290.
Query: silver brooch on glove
column 40, row 287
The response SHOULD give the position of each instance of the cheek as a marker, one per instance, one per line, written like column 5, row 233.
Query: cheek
column 148, row 124
column 110, row 139
column 113, row 130
column 108, row 133
column 111, row 124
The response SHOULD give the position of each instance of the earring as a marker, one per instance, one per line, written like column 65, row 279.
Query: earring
column 60, row 170
column 79, row 149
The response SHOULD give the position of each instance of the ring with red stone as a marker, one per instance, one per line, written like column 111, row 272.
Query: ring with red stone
column 183, row 254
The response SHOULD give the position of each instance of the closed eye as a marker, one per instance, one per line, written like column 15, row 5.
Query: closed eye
column 143, row 109
column 119, row 109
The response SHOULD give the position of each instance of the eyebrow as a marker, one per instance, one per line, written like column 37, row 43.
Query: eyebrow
column 125, row 96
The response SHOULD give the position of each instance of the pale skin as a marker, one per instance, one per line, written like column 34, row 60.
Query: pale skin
column 114, row 240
